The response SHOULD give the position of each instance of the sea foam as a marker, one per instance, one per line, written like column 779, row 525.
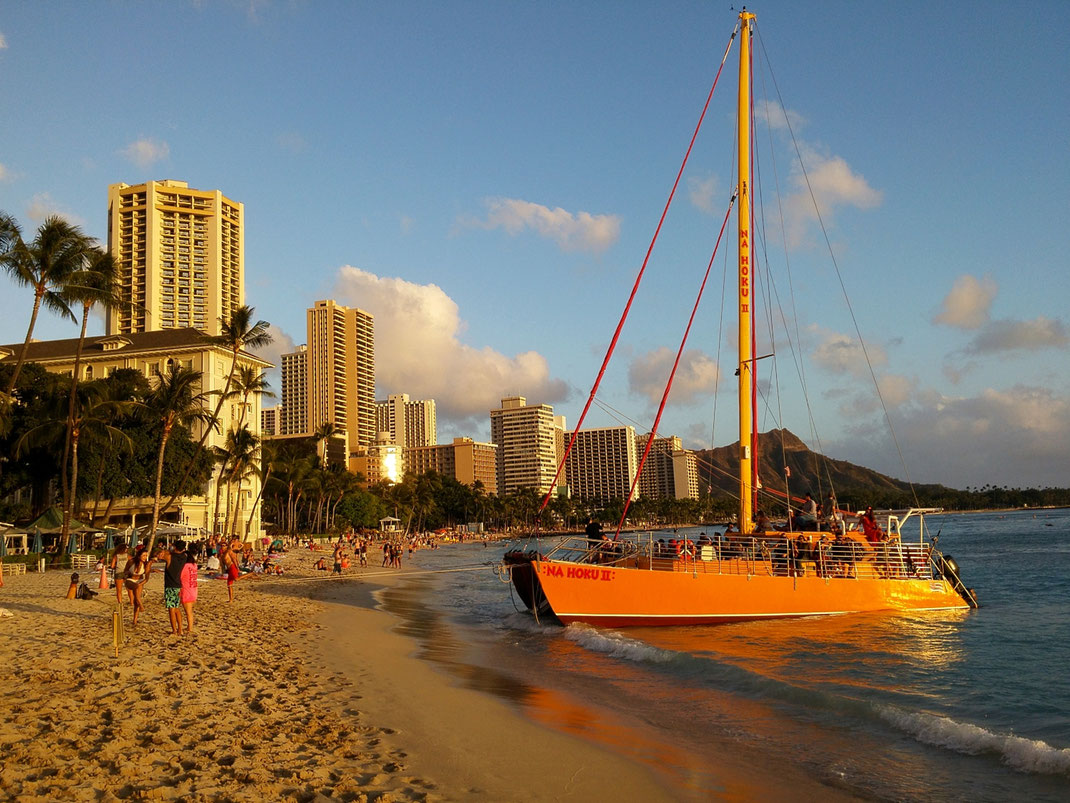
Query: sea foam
column 616, row 644
column 1026, row 755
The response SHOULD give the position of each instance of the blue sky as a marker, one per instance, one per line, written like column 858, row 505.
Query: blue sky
column 485, row 178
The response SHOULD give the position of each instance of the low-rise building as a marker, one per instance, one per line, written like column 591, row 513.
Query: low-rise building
column 153, row 353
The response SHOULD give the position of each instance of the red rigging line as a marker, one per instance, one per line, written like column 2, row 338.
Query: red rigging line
column 672, row 373
column 638, row 278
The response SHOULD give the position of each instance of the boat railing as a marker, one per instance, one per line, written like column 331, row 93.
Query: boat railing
column 805, row 554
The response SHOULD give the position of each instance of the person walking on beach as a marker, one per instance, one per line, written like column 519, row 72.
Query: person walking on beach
column 119, row 559
column 188, row 590
column 338, row 554
column 134, row 576
column 229, row 564
column 174, row 559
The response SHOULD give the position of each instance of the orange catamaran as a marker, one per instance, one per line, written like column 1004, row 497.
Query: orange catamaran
column 748, row 572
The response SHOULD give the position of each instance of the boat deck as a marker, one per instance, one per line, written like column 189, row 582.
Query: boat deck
column 788, row 555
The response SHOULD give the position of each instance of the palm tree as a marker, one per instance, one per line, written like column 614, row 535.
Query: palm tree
column 93, row 414
column 94, row 284
column 248, row 381
column 323, row 433
column 269, row 454
column 223, row 457
column 46, row 264
column 177, row 400
column 242, row 449
column 236, row 334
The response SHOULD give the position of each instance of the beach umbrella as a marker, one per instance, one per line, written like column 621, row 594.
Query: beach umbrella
column 133, row 538
column 72, row 544
column 109, row 540
column 3, row 546
column 38, row 542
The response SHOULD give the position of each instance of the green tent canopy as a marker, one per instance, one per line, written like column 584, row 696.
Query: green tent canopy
column 51, row 521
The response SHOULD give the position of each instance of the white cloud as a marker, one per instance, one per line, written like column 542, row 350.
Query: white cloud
column 418, row 350
column 42, row 206
column 967, row 304
column 777, row 118
column 701, row 192
column 581, row 231
column 1009, row 335
column 5, row 174
column 3, row 42
column 895, row 391
column 830, row 182
column 1018, row 437
column 146, row 151
column 840, row 354
column 281, row 344
column 696, row 375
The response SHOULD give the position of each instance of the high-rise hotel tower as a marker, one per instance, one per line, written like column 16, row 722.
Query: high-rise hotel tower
column 331, row 379
column 181, row 256
column 526, row 436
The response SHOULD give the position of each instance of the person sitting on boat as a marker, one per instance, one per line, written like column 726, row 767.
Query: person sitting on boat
column 804, row 544
column 810, row 508
column 843, row 554
column 761, row 523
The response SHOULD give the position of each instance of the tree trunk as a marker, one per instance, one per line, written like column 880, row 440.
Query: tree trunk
column 226, row 513
column 259, row 496
column 218, row 492
column 100, row 480
column 70, row 491
column 74, row 483
column 159, row 484
column 38, row 294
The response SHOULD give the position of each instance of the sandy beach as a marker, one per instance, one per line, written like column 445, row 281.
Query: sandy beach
column 302, row 689
column 299, row 690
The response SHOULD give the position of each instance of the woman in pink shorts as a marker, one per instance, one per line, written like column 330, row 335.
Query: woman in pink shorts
column 188, row 592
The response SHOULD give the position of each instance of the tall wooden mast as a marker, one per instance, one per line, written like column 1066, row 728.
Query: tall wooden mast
column 746, row 296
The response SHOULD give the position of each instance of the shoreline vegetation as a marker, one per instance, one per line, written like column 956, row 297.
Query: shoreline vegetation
column 302, row 689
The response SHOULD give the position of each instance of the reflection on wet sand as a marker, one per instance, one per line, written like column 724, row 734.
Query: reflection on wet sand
column 548, row 707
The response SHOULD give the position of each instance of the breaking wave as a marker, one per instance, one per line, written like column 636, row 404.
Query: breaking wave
column 616, row 644
column 1025, row 755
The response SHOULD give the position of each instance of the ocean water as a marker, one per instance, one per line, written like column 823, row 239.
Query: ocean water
column 935, row 706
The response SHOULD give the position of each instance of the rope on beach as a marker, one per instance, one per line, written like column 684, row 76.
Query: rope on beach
column 370, row 574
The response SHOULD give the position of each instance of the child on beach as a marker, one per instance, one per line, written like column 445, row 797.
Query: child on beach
column 188, row 590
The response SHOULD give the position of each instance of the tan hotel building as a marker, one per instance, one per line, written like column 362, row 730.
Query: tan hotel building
column 410, row 423
column 152, row 353
column 331, row 379
column 602, row 464
column 527, row 441
column 181, row 256
column 465, row 460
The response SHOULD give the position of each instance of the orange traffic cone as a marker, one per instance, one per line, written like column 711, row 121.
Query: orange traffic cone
column 103, row 578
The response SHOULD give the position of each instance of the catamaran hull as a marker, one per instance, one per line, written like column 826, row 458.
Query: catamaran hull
column 628, row 597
